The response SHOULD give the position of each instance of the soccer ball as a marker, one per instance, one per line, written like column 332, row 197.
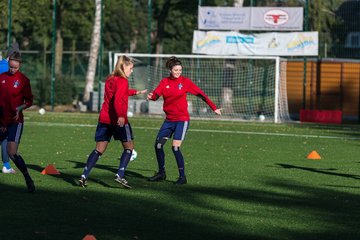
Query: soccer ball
column 130, row 114
column 133, row 155
column 261, row 117
column 42, row 111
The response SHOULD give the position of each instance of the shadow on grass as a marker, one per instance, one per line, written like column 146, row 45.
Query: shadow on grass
column 322, row 171
column 349, row 131
column 113, row 169
column 285, row 210
column 73, row 179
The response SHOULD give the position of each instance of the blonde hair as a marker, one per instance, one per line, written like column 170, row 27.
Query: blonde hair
column 119, row 67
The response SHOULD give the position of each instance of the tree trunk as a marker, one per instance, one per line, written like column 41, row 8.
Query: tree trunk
column 59, row 42
column 238, row 3
column 59, row 53
column 94, row 50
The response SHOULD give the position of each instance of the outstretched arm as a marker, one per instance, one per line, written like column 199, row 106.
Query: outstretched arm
column 141, row 91
column 154, row 95
column 195, row 90
column 132, row 92
column 218, row 111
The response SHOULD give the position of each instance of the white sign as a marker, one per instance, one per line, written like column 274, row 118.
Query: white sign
column 224, row 18
column 264, row 44
column 251, row 18
column 277, row 19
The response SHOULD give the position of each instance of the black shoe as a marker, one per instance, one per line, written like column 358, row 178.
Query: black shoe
column 122, row 181
column 157, row 177
column 181, row 180
column 83, row 182
column 30, row 186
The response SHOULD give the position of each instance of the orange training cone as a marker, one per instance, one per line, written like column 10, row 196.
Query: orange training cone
column 314, row 156
column 51, row 170
column 89, row 237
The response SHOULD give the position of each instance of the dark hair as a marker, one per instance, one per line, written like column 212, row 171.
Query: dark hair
column 15, row 56
column 172, row 62
column 14, row 48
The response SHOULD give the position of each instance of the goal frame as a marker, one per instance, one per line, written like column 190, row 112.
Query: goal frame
column 277, row 59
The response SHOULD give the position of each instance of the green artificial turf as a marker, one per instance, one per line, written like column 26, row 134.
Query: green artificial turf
column 245, row 181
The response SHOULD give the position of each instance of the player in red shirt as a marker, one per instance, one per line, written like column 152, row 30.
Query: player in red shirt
column 4, row 67
column 15, row 96
column 174, row 90
column 113, row 121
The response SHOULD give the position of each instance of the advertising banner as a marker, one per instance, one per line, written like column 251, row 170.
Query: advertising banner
column 263, row 44
column 224, row 18
column 251, row 18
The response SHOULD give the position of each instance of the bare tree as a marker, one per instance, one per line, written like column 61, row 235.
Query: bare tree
column 59, row 40
column 238, row 3
column 94, row 50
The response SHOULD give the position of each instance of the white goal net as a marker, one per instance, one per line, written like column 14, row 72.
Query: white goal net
column 248, row 88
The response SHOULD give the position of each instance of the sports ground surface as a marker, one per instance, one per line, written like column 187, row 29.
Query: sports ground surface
column 245, row 181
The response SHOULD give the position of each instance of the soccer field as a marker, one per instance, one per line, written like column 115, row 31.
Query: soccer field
column 245, row 181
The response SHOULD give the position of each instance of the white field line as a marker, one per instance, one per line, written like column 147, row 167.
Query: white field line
column 203, row 130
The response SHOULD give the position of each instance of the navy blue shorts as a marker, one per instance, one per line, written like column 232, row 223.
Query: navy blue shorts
column 178, row 129
column 104, row 132
column 14, row 132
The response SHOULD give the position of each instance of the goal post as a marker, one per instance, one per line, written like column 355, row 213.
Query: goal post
column 247, row 88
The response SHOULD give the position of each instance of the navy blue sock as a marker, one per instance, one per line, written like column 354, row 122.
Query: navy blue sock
column 20, row 164
column 91, row 162
column 179, row 160
column 124, row 160
column 160, row 156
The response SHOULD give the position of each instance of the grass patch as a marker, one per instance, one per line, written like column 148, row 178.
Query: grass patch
column 245, row 181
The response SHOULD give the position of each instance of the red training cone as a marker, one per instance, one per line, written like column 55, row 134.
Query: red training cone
column 314, row 156
column 50, row 170
column 89, row 237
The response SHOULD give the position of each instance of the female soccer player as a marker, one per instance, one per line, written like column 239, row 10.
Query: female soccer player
column 15, row 96
column 113, row 121
column 4, row 67
column 174, row 90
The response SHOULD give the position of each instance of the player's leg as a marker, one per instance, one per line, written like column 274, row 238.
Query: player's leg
column 125, row 135
column 94, row 157
column 14, row 136
column 103, row 135
column 164, row 134
column 4, row 154
column 5, row 158
column 179, row 136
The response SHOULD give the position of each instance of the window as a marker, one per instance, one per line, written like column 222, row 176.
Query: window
column 353, row 40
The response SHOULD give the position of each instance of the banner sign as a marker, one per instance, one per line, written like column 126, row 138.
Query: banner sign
column 251, row 18
column 224, row 18
column 264, row 44
column 277, row 19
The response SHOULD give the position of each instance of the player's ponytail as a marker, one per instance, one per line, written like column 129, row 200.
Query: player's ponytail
column 119, row 67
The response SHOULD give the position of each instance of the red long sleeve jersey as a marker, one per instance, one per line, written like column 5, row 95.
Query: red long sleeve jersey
column 116, row 98
column 15, row 90
column 174, row 92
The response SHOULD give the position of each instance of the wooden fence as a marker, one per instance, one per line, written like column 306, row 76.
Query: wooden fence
column 331, row 84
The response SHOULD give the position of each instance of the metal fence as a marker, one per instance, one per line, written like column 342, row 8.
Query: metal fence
column 336, row 22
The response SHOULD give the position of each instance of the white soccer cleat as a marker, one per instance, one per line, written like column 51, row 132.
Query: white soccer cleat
column 5, row 170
